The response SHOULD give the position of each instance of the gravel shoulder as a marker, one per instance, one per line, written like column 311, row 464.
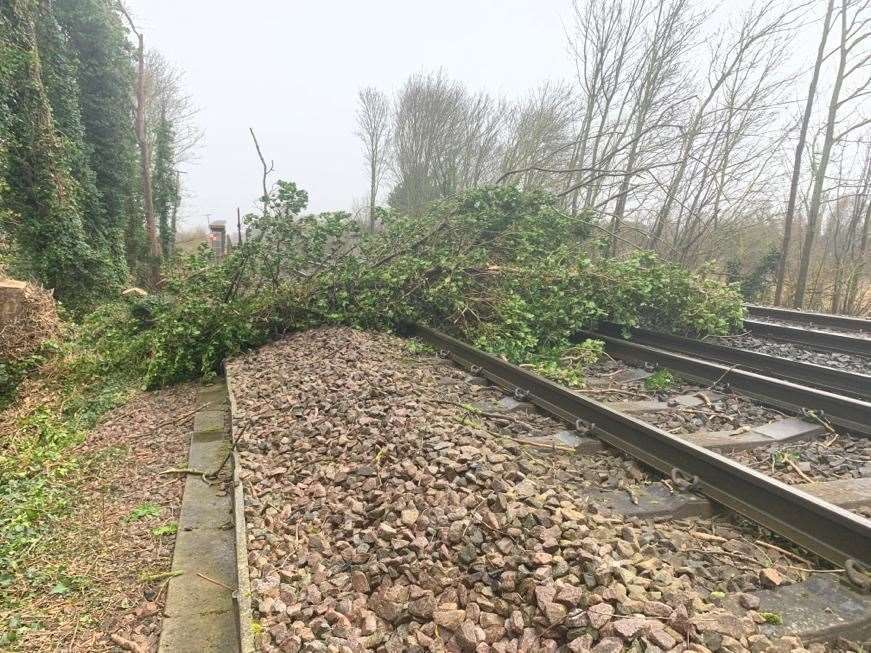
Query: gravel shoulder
column 118, row 532
column 388, row 509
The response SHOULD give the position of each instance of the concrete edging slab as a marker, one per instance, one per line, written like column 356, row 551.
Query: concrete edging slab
column 244, row 621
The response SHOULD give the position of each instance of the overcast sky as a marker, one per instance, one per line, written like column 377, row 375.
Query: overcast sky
column 291, row 70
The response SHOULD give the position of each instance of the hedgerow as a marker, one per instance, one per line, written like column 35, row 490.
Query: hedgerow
column 502, row 268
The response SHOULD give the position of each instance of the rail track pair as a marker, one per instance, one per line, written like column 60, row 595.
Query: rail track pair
column 835, row 534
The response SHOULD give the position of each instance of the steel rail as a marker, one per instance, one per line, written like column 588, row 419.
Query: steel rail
column 853, row 414
column 811, row 338
column 828, row 531
column 818, row 376
column 809, row 319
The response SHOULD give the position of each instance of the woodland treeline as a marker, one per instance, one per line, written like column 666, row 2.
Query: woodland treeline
column 93, row 127
column 744, row 145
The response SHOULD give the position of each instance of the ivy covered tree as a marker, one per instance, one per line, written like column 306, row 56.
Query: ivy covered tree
column 71, row 212
column 165, row 182
column 104, row 75
column 45, row 195
column 172, row 137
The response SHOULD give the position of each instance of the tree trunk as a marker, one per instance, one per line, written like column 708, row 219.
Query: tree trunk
column 819, row 181
column 373, row 189
column 799, row 150
column 154, row 249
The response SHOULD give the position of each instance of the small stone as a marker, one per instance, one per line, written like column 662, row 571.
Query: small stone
column 312, row 595
column 569, row 594
column 662, row 639
column 723, row 623
column 656, row 609
column 359, row 582
column 608, row 645
column 279, row 633
column 450, row 619
column 424, row 606
column 555, row 613
column 147, row 610
column 467, row 635
column 370, row 624
column 516, row 623
column 489, row 619
column 581, row 644
column 600, row 614
column 525, row 489
column 748, row 601
column 409, row 517
column 770, row 577
column 628, row 628
column 384, row 607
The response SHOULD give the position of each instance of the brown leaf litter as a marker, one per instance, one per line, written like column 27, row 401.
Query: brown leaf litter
column 101, row 542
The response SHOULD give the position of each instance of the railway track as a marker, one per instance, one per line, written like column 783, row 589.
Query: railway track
column 812, row 338
column 848, row 412
column 454, row 504
column 824, row 320
column 808, row 374
column 798, row 514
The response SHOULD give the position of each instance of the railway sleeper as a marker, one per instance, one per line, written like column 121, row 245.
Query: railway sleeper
column 821, row 608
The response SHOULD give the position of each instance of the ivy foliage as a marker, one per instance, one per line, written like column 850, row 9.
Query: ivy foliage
column 502, row 268
column 760, row 277
column 55, row 209
column 71, row 215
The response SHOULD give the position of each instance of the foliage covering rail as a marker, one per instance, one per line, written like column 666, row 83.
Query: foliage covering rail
column 504, row 269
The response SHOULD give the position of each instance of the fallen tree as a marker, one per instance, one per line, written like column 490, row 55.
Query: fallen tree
column 502, row 268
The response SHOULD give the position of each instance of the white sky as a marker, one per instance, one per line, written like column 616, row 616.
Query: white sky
column 291, row 70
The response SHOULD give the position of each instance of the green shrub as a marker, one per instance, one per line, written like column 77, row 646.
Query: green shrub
column 659, row 380
column 502, row 268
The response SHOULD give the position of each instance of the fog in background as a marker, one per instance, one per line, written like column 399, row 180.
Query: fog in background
column 291, row 70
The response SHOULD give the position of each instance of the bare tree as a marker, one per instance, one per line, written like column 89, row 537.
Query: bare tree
column 172, row 138
column 373, row 125
column 154, row 249
column 799, row 151
column 444, row 140
column 537, row 130
column 673, row 139
column 732, row 57
column 165, row 97
column 660, row 81
column 857, row 239
column 855, row 19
